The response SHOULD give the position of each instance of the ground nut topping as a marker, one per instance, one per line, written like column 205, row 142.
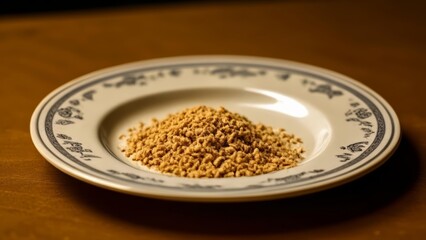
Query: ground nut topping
column 203, row 142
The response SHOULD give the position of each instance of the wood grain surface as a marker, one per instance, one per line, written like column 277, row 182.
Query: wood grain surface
column 379, row 43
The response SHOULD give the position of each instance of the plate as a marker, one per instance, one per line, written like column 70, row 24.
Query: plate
column 347, row 129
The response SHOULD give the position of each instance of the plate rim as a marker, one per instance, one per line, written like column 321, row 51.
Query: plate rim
column 94, row 180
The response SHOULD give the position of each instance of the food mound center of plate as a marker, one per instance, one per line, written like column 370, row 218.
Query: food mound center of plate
column 203, row 142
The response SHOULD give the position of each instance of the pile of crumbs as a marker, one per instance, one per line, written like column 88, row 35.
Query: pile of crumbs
column 203, row 142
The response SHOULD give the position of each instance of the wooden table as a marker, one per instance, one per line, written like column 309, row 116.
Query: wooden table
column 380, row 43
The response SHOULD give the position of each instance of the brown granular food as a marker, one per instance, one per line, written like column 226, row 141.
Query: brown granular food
column 204, row 142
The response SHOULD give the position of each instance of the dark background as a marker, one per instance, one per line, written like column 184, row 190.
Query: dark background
column 26, row 6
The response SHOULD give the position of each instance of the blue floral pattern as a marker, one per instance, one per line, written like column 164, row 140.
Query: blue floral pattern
column 68, row 111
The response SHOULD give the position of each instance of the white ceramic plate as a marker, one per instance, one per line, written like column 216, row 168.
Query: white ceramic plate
column 347, row 129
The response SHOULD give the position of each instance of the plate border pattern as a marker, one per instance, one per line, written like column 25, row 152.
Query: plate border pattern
column 380, row 131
